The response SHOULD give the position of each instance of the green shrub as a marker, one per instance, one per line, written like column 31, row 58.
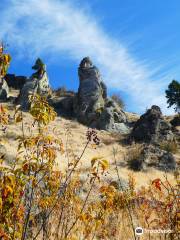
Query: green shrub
column 173, row 95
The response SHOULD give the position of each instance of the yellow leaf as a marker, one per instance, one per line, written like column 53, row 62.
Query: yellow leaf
column 94, row 160
column 104, row 164
column 18, row 118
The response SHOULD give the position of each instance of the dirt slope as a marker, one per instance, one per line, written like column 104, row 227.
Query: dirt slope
column 73, row 136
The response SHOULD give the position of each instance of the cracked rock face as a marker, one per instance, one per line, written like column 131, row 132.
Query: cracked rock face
column 154, row 156
column 152, row 128
column 90, row 93
column 113, row 119
column 38, row 83
column 92, row 107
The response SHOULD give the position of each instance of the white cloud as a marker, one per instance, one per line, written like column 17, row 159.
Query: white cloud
column 55, row 27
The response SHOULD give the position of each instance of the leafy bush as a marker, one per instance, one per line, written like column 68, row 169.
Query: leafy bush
column 5, row 60
column 118, row 100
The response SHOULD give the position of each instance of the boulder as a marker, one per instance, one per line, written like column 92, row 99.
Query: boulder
column 15, row 82
column 153, row 156
column 4, row 90
column 152, row 128
column 113, row 119
column 29, row 88
column 38, row 83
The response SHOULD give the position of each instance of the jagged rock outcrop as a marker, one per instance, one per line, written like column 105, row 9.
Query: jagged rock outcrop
column 15, row 82
column 90, row 93
column 153, row 156
column 152, row 128
column 92, row 107
column 113, row 118
column 4, row 89
column 38, row 83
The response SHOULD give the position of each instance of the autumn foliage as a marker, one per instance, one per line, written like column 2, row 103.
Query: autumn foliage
column 5, row 60
column 38, row 201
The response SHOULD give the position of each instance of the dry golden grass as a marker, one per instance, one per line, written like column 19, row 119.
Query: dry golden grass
column 170, row 146
column 73, row 135
column 75, row 184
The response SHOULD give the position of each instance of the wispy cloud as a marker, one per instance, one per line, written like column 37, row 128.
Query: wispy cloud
column 55, row 27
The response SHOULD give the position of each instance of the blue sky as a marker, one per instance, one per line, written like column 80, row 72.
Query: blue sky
column 134, row 43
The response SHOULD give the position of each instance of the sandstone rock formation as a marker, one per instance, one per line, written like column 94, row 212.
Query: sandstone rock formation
column 38, row 83
column 152, row 128
column 92, row 107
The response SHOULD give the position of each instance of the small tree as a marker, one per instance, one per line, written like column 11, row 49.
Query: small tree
column 173, row 95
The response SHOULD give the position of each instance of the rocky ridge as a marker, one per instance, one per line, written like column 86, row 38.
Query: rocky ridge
column 92, row 107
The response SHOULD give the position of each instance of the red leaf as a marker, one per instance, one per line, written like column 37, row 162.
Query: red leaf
column 157, row 183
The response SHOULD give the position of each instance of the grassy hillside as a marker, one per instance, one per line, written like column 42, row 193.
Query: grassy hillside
column 61, row 180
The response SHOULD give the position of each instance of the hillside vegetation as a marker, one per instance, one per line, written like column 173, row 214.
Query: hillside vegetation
column 61, row 180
